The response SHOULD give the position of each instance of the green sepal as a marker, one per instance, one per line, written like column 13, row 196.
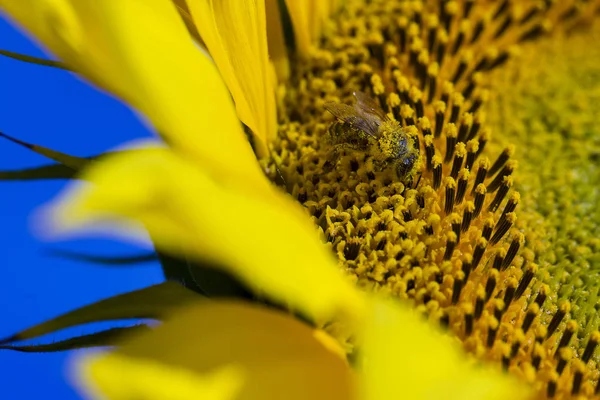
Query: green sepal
column 75, row 163
column 103, row 260
column 44, row 172
column 34, row 60
column 153, row 302
column 204, row 278
column 106, row 337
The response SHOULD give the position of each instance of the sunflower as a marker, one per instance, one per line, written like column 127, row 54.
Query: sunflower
column 372, row 116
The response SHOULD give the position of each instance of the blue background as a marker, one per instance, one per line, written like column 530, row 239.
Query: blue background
column 51, row 108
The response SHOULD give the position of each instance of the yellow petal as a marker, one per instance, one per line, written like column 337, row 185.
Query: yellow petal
column 277, row 356
column 235, row 33
column 115, row 376
column 308, row 19
column 263, row 237
column 142, row 51
column 301, row 21
column 403, row 357
column 275, row 35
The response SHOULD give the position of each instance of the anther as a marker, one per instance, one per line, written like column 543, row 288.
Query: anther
column 526, row 279
column 502, row 28
column 532, row 312
column 530, row 14
column 512, row 203
column 499, row 60
column 466, row 266
column 425, row 126
column 477, row 31
column 451, row 136
column 498, row 259
column 450, row 10
column 567, row 335
column 577, row 377
column 538, row 352
column 478, row 252
column 482, row 169
column 448, row 89
column 442, row 45
column 429, row 151
column 517, row 342
column 501, row 193
column 479, row 303
column 506, row 171
column 462, row 67
column 432, row 75
column 501, row 160
column 465, row 26
column 490, row 284
column 482, row 97
column 440, row 110
column 463, row 181
column 488, row 228
column 518, row 240
column 450, row 246
column 407, row 115
column 433, row 24
column 480, row 192
column 509, row 293
column 501, row 9
column 483, row 139
column 459, row 281
column 503, row 227
column 534, row 32
column 469, row 323
column 492, row 331
column 468, row 7
column 416, row 97
column 542, row 295
column 457, row 102
column 472, row 147
column 551, row 389
column 467, row 215
column 564, row 355
column 437, row 172
column 563, row 309
column 591, row 346
column 465, row 126
column 459, row 156
column 455, row 222
column 477, row 120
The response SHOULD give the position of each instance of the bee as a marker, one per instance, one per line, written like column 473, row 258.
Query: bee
column 365, row 127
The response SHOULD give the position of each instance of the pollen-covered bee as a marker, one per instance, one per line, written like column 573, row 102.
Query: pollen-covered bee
column 365, row 127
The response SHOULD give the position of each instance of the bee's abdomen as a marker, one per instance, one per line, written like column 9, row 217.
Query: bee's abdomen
column 342, row 133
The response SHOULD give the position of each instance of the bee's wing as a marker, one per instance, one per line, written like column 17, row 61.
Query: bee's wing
column 372, row 114
column 367, row 106
column 351, row 116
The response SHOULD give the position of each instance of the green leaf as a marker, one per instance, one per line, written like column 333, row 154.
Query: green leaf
column 104, row 260
column 34, row 60
column 106, row 337
column 203, row 278
column 75, row 163
column 52, row 171
column 152, row 302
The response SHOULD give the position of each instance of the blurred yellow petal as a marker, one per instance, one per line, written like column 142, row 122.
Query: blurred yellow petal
column 308, row 19
column 404, row 357
column 276, row 37
column 277, row 356
column 142, row 51
column 115, row 376
column 235, row 33
column 261, row 236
